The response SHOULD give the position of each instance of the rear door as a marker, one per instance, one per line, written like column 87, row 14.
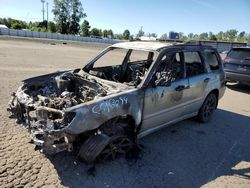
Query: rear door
column 238, row 61
column 198, row 79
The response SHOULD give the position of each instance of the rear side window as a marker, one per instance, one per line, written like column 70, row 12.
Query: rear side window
column 243, row 54
column 193, row 64
column 211, row 59
column 137, row 56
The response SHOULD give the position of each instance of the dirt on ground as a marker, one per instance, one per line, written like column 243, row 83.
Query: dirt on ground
column 188, row 154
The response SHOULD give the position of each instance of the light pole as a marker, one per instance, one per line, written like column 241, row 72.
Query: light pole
column 43, row 1
column 47, row 16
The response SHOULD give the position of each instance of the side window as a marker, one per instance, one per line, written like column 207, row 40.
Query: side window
column 193, row 64
column 211, row 59
column 169, row 70
column 113, row 57
column 142, row 57
column 138, row 56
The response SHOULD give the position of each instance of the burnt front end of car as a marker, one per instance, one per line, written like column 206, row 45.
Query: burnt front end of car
column 42, row 105
column 46, row 125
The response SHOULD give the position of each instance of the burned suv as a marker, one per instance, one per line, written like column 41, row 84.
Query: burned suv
column 128, row 91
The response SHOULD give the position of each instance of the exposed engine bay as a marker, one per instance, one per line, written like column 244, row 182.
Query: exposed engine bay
column 45, row 100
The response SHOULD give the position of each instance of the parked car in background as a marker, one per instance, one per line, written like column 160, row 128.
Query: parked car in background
column 237, row 65
column 129, row 90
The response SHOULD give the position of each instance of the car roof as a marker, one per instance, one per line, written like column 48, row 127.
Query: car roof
column 155, row 46
column 146, row 46
column 242, row 47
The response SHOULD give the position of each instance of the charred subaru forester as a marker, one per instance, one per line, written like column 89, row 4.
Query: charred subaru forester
column 128, row 91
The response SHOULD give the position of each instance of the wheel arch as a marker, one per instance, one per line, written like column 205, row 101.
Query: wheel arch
column 216, row 92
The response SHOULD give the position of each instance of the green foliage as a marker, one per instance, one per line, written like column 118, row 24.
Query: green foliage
column 95, row 32
column 52, row 27
column 38, row 26
column 248, row 39
column 13, row 23
column 118, row 36
column 212, row 36
column 76, row 15
column 220, row 36
column 140, row 33
column 242, row 37
column 16, row 25
column 203, row 36
column 126, row 34
column 105, row 33
column 110, row 33
column 164, row 37
column 42, row 24
column 231, row 35
column 62, row 15
column 190, row 36
column 85, row 27
column 68, row 14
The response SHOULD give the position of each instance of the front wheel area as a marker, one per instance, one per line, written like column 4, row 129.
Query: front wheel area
column 208, row 107
column 112, row 140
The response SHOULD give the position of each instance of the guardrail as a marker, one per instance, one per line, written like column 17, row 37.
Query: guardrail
column 24, row 33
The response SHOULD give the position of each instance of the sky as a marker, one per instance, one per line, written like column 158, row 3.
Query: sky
column 154, row 16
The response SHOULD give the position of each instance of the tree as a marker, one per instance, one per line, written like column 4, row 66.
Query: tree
column 212, row 36
column 110, row 33
column 183, row 37
column 95, row 32
column 242, row 37
column 85, row 27
column 190, row 36
column 62, row 15
column 105, row 33
column 248, row 39
column 140, row 33
column 16, row 25
column 126, row 34
column 203, row 36
column 52, row 27
column 67, row 15
column 231, row 35
column 152, row 35
column 220, row 36
column 164, row 37
column 118, row 36
column 76, row 15
column 100, row 32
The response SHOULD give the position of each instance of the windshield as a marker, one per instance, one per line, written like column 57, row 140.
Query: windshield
column 240, row 54
column 122, row 65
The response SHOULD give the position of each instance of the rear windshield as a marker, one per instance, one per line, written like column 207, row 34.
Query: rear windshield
column 239, row 54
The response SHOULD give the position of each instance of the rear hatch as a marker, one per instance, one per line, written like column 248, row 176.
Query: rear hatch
column 238, row 61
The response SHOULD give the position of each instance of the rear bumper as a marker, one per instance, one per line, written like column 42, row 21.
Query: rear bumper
column 237, row 77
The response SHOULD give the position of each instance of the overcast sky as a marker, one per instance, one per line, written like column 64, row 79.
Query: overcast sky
column 159, row 16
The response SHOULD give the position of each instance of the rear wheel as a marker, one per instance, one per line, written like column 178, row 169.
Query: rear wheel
column 208, row 107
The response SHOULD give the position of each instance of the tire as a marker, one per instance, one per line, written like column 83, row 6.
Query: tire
column 208, row 107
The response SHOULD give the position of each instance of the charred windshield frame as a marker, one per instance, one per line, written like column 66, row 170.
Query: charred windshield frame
column 151, row 57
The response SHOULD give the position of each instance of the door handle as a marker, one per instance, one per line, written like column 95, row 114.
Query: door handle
column 181, row 87
column 206, row 80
